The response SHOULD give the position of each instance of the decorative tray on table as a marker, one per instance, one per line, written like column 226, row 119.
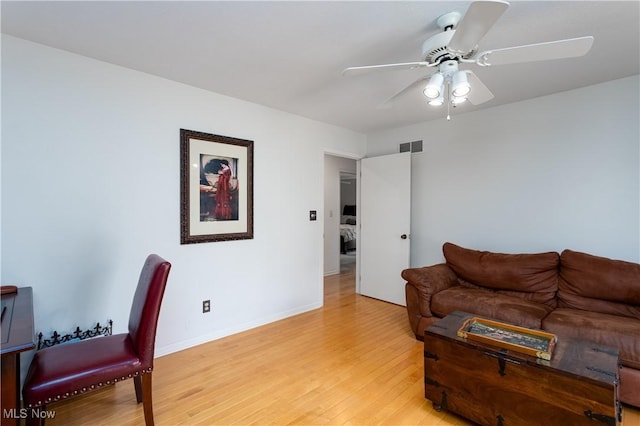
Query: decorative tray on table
column 519, row 339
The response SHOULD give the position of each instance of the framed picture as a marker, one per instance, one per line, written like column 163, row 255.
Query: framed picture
column 511, row 337
column 216, row 188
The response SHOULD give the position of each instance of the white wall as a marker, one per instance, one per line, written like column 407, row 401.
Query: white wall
column 90, row 186
column 556, row 172
column 332, row 167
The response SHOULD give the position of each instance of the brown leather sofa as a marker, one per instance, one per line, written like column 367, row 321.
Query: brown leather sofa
column 572, row 294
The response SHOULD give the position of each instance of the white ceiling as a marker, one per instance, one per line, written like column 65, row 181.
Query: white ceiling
column 289, row 55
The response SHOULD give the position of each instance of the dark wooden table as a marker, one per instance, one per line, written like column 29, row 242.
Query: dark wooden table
column 494, row 386
column 17, row 336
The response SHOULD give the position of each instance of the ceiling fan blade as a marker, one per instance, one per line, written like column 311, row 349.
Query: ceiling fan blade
column 386, row 67
column 389, row 102
column 559, row 49
column 478, row 20
column 479, row 93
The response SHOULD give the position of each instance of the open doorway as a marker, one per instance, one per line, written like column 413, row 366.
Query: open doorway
column 348, row 231
column 340, row 185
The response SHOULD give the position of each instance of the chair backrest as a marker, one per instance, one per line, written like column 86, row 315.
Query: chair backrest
column 145, row 308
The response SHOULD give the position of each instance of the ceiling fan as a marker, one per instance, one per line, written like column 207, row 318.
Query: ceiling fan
column 458, row 43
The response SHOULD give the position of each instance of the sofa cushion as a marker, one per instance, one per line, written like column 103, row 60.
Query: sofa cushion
column 527, row 273
column 548, row 298
column 609, row 330
column 490, row 304
column 594, row 283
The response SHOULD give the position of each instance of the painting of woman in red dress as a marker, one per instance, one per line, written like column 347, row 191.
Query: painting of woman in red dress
column 218, row 189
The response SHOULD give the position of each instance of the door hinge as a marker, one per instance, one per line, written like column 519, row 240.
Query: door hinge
column 601, row 371
column 608, row 420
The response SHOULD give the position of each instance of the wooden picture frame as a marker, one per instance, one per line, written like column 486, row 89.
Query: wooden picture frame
column 511, row 337
column 216, row 188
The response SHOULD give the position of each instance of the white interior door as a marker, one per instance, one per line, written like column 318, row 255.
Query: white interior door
column 385, row 215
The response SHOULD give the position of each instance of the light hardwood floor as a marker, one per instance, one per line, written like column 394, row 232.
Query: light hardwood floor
column 352, row 362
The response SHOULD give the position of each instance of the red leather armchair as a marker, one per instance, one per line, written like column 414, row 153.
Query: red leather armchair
column 65, row 371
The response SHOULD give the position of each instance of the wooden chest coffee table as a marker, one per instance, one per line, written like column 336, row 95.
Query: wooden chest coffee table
column 494, row 386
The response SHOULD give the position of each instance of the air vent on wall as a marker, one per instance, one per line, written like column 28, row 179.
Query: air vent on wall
column 415, row 146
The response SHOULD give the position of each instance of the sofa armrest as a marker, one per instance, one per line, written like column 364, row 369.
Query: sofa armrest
column 422, row 283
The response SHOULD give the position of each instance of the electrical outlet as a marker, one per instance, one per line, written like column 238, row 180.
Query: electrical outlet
column 206, row 306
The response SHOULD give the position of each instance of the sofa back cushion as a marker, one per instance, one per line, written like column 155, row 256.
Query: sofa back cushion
column 532, row 276
column 599, row 284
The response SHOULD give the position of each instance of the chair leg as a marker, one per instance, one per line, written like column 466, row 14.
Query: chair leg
column 137, row 383
column 147, row 400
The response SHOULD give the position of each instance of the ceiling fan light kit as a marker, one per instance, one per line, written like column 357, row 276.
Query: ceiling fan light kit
column 458, row 44
column 448, row 74
column 437, row 101
column 460, row 84
column 457, row 100
column 433, row 89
